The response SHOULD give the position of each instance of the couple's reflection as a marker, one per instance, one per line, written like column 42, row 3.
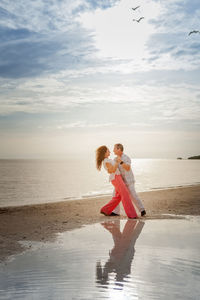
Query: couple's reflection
column 121, row 256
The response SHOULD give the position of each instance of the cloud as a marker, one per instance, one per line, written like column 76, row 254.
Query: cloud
column 126, row 105
column 38, row 38
column 171, row 43
column 84, row 124
column 87, row 98
column 34, row 54
column 121, row 38
column 78, row 38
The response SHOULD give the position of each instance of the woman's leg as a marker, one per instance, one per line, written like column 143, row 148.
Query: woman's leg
column 110, row 206
column 117, row 208
column 125, row 196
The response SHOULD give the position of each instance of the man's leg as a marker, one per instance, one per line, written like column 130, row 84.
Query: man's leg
column 136, row 200
column 117, row 208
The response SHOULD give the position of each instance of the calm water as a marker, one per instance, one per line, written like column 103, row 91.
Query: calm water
column 119, row 260
column 38, row 181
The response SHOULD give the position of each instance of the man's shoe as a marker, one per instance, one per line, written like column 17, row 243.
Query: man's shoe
column 114, row 214
column 143, row 213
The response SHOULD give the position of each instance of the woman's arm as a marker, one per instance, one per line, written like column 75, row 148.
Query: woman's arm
column 127, row 167
column 112, row 168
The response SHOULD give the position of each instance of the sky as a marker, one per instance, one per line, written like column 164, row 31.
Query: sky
column 78, row 74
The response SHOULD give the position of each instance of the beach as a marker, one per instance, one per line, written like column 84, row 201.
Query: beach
column 42, row 222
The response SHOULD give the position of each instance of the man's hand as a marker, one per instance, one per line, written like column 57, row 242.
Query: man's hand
column 125, row 166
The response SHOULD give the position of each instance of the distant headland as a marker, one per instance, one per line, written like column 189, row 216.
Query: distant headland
column 194, row 157
column 191, row 157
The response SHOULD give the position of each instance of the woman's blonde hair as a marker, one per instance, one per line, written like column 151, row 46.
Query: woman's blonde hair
column 100, row 155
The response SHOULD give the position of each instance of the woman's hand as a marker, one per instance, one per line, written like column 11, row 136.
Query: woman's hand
column 118, row 159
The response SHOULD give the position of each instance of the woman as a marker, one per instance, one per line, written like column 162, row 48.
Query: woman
column 111, row 166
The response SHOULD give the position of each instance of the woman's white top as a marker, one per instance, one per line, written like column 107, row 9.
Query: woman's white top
column 112, row 162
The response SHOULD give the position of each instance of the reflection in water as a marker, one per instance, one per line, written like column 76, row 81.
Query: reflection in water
column 68, row 269
column 121, row 256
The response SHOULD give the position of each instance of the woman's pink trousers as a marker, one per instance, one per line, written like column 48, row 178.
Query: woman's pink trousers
column 122, row 194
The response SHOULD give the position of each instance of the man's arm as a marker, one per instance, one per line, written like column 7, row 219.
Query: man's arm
column 126, row 165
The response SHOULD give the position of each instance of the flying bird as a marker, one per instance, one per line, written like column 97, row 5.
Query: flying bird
column 194, row 31
column 138, row 19
column 134, row 8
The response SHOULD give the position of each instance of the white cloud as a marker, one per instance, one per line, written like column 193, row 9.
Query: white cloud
column 40, row 16
column 129, row 100
column 160, row 41
column 116, row 35
column 84, row 124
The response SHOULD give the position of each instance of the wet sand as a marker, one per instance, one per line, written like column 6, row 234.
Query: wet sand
column 42, row 222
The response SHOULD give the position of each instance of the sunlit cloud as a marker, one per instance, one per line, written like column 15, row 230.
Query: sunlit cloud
column 116, row 35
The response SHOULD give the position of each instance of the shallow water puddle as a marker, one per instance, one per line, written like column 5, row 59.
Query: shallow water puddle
column 121, row 259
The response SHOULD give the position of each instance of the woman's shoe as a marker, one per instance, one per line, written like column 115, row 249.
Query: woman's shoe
column 114, row 214
column 103, row 213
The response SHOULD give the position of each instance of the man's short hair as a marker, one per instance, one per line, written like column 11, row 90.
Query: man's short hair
column 120, row 146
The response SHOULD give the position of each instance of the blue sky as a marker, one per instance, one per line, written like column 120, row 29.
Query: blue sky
column 78, row 74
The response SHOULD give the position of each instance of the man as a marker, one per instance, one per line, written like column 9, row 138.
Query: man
column 128, row 177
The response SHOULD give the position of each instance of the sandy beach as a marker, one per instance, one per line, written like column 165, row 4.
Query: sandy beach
column 42, row 222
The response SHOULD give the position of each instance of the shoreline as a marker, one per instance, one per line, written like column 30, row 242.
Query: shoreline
column 42, row 222
column 87, row 197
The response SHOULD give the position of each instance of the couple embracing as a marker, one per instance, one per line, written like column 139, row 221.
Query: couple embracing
column 122, row 178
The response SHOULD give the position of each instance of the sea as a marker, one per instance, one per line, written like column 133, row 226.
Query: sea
column 34, row 181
